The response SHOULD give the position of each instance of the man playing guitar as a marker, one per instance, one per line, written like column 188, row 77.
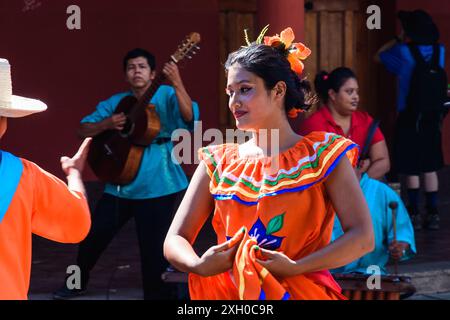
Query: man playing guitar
column 151, row 196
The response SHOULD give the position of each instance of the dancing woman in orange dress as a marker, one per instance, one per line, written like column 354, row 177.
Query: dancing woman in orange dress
column 273, row 212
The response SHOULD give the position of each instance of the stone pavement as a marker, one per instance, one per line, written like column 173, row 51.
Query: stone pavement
column 118, row 270
column 434, row 296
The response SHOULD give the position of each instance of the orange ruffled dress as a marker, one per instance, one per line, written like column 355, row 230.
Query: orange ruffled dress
column 287, row 211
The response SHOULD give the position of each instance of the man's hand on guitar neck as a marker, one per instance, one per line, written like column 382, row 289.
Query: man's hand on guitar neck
column 115, row 122
column 172, row 73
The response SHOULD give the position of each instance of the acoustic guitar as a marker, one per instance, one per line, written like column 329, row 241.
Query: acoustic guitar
column 115, row 156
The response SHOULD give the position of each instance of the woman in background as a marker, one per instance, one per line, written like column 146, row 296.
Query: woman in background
column 338, row 93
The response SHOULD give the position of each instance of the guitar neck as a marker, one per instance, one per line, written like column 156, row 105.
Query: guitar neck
column 146, row 97
column 148, row 94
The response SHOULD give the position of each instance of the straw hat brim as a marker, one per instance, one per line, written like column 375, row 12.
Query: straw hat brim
column 21, row 107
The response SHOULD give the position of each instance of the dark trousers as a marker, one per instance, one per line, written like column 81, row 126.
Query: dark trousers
column 152, row 218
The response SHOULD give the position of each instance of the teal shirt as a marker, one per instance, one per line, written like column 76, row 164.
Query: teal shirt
column 158, row 175
column 378, row 195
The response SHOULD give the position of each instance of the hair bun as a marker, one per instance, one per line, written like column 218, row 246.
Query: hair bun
column 333, row 80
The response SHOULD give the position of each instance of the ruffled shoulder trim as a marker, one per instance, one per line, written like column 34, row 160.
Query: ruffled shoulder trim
column 307, row 163
column 217, row 157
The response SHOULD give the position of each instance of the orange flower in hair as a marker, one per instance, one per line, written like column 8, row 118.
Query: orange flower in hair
column 295, row 51
column 286, row 37
column 293, row 113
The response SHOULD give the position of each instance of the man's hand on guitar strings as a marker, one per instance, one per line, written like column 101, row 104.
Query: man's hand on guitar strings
column 116, row 121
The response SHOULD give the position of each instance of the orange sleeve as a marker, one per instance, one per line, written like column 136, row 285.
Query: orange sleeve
column 59, row 214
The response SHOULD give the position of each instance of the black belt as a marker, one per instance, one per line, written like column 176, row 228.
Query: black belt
column 161, row 140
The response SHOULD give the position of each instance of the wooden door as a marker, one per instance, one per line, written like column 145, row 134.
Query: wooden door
column 235, row 16
column 336, row 32
column 330, row 32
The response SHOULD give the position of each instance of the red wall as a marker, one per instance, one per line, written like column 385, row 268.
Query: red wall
column 440, row 11
column 72, row 70
column 281, row 14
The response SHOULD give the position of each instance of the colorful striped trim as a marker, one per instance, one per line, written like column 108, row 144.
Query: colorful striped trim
column 278, row 192
column 312, row 162
column 234, row 184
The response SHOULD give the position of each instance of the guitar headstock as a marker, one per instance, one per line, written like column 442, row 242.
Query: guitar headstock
column 187, row 48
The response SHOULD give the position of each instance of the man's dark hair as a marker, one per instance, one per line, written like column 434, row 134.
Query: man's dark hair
column 138, row 52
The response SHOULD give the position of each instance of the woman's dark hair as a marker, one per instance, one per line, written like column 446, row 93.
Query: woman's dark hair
column 272, row 66
column 325, row 81
column 138, row 52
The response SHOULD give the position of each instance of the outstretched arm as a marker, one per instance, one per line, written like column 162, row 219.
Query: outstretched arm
column 73, row 167
column 60, row 211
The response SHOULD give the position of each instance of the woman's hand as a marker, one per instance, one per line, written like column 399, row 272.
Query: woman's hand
column 277, row 263
column 219, row 258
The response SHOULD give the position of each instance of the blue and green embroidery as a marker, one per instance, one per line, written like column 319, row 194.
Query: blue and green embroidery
column 264, row 235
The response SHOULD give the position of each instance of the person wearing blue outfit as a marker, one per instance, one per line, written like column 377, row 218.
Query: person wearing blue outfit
column 418, row 149
column 150, row 198
column 378, row 196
